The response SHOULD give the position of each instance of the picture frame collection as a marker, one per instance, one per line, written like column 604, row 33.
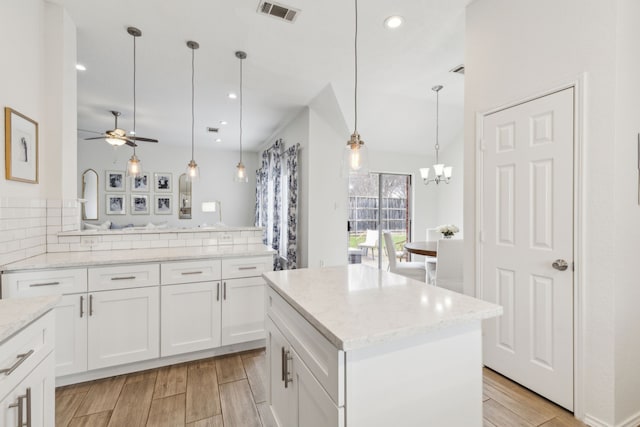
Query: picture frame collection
column 139, row 197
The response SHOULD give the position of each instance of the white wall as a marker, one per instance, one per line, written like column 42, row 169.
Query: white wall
column 516, row 49
column 627, row 215
column 216, row 181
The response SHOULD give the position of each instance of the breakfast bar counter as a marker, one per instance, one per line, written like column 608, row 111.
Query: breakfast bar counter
column 392, row 350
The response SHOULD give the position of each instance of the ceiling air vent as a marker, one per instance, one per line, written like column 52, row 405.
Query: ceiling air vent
column 459, row 69
column 277, row 10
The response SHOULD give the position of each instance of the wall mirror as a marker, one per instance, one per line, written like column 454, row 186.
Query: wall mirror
column 90, row 194
column 184, row 190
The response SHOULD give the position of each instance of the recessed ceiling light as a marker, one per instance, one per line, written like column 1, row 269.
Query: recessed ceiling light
column 81, row 67
column 393, row 21
column 223, row 122
column 218, row 140
column 232, row 95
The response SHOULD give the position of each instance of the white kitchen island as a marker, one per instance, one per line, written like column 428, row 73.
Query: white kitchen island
column 357, row 347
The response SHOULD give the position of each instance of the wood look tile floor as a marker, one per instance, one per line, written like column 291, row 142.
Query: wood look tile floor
column 230, row 391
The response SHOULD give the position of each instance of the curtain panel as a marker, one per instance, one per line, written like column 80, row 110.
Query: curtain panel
column 277, row 205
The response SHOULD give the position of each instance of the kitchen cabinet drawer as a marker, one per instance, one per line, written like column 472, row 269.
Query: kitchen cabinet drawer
column 44, row 282
column 123, row 277
column 246, row 267
column 172, row 273
column 24, row 351
column 324, row 360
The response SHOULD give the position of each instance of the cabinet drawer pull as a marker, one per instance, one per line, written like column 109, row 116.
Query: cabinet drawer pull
column 124, row 278
column 287, row 358
column 35, row 285
column 20, row 409
column 282, row 364
column 248, row 268
column 81, row 306
column 28, row 397
column 21, row 358
column 186, row 273
column 224, row 291
column 90, row 305
column 218, row 291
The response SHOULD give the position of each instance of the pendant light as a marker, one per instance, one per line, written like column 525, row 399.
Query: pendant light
column 134, row 165
column 442, row 173
column 241, row 173
column 356, row 158
column 193, row 172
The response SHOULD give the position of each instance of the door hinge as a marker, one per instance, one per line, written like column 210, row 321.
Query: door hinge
column 481, row 145
column 481, row 236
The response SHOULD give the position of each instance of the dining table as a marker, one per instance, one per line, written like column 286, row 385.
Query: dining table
column 422, row 248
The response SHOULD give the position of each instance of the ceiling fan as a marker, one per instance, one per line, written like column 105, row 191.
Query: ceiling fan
column 118, row 137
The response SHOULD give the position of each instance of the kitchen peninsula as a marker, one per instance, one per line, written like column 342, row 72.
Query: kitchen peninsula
column 354, row 346
column 127, row 305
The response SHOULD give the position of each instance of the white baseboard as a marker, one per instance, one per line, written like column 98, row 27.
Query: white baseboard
column 632, row 421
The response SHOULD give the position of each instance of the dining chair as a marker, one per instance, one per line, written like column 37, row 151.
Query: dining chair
column 370, row 242
column 413, row 270
column 449, row 268
column 433, row 235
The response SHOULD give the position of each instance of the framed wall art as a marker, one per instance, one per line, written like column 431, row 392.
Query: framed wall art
column 115, row 204
column 114, row 181
column 163, row 182
column 163, row 205
column 139, row 204
column 21, row 147
column 140, row 183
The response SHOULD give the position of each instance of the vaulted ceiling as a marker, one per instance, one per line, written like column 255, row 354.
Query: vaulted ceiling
column 288, row 64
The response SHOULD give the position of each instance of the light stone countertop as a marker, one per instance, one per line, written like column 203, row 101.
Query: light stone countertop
column 16, row 313
column 357, row 306
column 130, row 256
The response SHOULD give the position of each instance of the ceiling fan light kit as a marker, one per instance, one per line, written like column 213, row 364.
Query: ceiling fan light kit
column 241, row 173
column 442, row 173
column 356, row 157
column 193, row 171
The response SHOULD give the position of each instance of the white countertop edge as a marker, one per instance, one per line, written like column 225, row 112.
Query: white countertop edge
column 143, row 230
column 133, row 256
column 16, row 313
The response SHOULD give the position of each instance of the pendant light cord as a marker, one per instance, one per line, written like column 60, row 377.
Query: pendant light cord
column 355, row 91
column 134, row 91
column 193, row 74
column 241, row 60
column 437, row 122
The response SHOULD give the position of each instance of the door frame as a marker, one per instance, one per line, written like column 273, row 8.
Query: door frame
column 578, row 85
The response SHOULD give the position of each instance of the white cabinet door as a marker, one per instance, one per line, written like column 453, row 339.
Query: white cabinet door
column 190, row 317
column 281, row 399
column 71, row 334
column 312, row 405
column 33, row 400
column 242, row 310
column 124, row 326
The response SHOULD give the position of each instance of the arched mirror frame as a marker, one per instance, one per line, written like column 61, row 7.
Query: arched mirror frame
column 85, row 196
column 184, row 197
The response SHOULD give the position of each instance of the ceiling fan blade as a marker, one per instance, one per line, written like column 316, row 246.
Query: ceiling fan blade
column 95, row 137
column 139, row 138
column 131, row 143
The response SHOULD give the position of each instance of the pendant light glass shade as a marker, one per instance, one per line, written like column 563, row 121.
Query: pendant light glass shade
column 193, row 171
column 134, row 166
column 241, row 172
column 355, row 160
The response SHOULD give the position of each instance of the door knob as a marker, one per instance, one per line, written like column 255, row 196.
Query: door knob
column 560, row 264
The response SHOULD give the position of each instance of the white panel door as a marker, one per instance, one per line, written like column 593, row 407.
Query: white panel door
column 71, row 334
column 190, row 317
column 124, row 326
column 526, row 204
column 242, row 310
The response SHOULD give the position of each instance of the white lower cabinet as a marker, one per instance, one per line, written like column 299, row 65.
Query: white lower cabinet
column 242, row 310
column 71, row 334
column 280, row 395
column 190, row 317
column 124, row 326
